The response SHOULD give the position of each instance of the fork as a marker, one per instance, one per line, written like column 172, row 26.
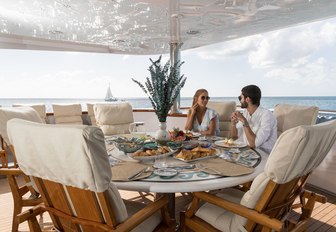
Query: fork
column 146, row 169
column 204, row 167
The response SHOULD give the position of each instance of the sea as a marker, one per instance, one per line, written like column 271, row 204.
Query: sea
column 325, row 103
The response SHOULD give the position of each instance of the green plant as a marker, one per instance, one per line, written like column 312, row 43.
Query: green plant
column 163, row 86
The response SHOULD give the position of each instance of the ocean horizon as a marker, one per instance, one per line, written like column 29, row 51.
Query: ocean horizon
column 325, row 103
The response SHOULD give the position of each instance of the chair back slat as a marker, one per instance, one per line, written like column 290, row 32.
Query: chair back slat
column 277, row 199
column 54, row 196
column 89, row 211
column 70, row 200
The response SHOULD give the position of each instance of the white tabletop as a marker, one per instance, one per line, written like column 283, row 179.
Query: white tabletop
column 192, row 186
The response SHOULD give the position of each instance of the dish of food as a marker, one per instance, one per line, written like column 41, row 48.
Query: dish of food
column 189, row 145
column 128, row 145
column 151, row 154
column 197, row 153
column 230, row 143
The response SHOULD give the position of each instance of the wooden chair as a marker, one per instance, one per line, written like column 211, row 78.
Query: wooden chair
column 9, row 166
column 289, row 116
column 68, row 114
column 224, row 110
column 79, row 197
column 266, row 205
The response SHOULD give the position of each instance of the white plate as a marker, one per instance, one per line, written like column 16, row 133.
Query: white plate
column 236, row 144
column 165, row 172
column 196, row 134
column 150, row 158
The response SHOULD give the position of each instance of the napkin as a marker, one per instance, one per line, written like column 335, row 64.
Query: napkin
column 122, row 171
column 222, row 167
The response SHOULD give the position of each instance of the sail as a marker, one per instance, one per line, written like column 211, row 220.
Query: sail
column 109, row 96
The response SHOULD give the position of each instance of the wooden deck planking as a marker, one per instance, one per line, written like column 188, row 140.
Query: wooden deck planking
column 323, row 217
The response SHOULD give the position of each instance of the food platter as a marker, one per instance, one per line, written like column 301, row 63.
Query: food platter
column 235, row 144
column 191, row 155
column 151, row 157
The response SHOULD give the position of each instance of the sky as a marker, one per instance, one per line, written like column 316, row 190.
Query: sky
column 296, row 61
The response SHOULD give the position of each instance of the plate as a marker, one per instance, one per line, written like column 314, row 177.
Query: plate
column 165, row 172
column 237, row 144
column 150, row 158
column 196, row 134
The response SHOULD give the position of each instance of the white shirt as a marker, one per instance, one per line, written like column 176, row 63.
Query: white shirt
column 264, row 125
column 204, row 126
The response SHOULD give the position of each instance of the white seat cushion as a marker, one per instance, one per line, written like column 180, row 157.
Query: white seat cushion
column 148, row 225
column 91, row 114
column 40, row 109
column 218, row 217
column 23, row 112
column 224, row 110
column 289, row 116
column 68, row 114
column 114, row 118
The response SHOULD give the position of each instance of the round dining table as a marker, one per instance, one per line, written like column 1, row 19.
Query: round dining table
column 174, row 185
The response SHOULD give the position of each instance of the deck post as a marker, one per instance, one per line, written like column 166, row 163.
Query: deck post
column 175, row 45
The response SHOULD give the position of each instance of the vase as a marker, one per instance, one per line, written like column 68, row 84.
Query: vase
column 162, row 135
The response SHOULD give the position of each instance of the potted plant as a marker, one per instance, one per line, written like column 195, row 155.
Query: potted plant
column 162, row 88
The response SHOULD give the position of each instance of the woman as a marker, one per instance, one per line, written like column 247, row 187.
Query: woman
column 200, row 118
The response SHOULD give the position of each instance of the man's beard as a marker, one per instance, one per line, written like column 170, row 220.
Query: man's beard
column 243, row 105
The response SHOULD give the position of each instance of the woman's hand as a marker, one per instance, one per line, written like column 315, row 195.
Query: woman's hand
column 193, row 109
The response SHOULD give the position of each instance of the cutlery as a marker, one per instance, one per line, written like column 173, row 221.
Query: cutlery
column 188, row 166
column 146, row 169
column 204, row 168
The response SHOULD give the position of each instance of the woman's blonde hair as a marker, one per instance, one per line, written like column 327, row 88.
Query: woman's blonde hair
column 197, row 94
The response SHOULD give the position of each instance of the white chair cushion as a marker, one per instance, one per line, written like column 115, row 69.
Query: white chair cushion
column 149, row 224
column 23, row 112
column 289, row 116
column 117, row 204
column 224, row 110
column 218, row 217
column 73, row 155
column 300, row 150
column 68, row 114
column 114, row 118
column 91, row 114
column 40, row 109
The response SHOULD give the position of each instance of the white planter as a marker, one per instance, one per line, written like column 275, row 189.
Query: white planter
column 162, row 134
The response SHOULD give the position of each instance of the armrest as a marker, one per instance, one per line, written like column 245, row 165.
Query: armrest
column 240, row 210
column 11, row 171
column 318, row 197
column 30, row 216
column 144, row 213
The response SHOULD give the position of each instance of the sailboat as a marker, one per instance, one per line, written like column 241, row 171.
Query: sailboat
column 109, row 97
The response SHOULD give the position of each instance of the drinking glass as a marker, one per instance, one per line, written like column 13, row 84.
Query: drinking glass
column 160, row 162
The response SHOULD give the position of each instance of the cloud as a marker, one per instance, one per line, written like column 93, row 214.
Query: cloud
column 313, row 73
column 292, row 45
column 228, row 49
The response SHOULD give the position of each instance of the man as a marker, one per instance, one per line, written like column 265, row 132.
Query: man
column 256, row 125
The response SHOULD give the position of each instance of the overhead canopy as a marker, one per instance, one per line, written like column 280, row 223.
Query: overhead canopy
column 148, row 26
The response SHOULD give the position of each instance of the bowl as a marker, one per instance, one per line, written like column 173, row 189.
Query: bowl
column 128, row 145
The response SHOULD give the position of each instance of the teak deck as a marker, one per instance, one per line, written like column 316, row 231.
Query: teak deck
column 323, row 218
